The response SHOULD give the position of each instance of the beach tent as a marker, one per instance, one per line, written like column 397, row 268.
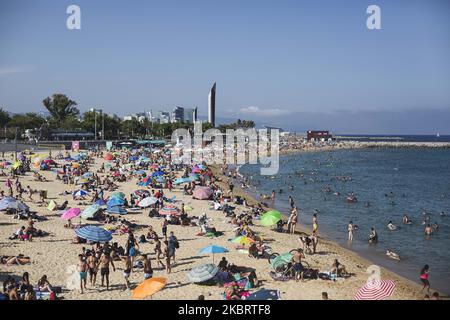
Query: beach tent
column 375, row 290
column 117, row 194
column 149, row 287
column 71, row 213
column 93, row 233
column 80, row 193
column 270, row 218
column 264, row 294
column 213, row 249
column 147, row 202
column 5, row 201
column 202, row 193
column 169, row 210
column 115, row 202
column 16, row 205
column 90, row 211
column 117, row 210
column 202, row 273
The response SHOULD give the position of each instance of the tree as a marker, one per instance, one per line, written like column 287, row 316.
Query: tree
column 61, row 108
column 4, row 117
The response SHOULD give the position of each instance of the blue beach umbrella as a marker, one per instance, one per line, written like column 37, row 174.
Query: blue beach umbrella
column 212, row 249
column 100, row 202
column 93, row 233
column 157, row 173
column 5, row 201
column 80, row 193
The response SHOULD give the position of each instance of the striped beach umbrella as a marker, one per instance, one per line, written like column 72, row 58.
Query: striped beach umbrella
column 376, row 290
column 169, row 210
column 202, row 273
column 117, row 210
column 93, row 233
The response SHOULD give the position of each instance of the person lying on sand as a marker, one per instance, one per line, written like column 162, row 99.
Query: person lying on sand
column 338, row 269
column 11, row 260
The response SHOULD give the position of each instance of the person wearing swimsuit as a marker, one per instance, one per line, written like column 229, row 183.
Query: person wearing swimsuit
column 424, row 274
column 148, row 271
column 104, row 262
column 82, row 268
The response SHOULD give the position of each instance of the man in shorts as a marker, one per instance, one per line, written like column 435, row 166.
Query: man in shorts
column 104, row 262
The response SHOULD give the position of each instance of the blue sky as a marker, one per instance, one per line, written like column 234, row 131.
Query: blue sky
column 296, row 64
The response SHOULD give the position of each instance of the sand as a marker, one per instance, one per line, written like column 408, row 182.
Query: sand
column 54, row 255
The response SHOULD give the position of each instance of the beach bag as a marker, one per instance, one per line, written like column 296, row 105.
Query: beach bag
column 177, row 244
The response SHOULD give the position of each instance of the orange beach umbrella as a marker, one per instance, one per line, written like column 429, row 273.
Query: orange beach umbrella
column 149, row 287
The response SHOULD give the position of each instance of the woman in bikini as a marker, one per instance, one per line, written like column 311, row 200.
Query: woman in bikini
column 148, row 270
column 158, row 253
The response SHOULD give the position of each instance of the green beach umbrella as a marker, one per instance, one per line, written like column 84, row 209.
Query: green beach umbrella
column 281, row 259
column 270, row 218
column 242, row 240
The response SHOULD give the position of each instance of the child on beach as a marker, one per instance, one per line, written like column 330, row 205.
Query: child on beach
column 424, row 274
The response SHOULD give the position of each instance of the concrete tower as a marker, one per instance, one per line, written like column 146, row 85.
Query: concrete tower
column 212, row 106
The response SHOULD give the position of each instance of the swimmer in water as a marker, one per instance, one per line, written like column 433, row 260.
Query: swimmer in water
column 391, row 226
column 428, row 230
column 443, row 214
column 373, row 236
column 392, row 255
column 406, row 220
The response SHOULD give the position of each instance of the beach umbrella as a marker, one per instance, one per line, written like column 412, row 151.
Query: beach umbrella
column 242, row 240
column 281, row 260
column 93, row 233
column 139, row 172
column 264, row 294
column 169, row 210
column 71, row 213
column 144, row 183
column 157, row 173
column 115, row 202
column 51, row 206
column 117, row 210
column 133, row 158
column 87, row 175
column 149, row 287
column 80, row 193
column 82, row 181
column 147, row 202
column 202, row 273
column 213, row 249
column 270, row 218
column 108, row 157
column 202, row 193
column 117, row 194
column 376, row 290
column 90, row 211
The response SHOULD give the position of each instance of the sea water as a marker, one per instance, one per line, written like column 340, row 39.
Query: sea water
column 394, row 181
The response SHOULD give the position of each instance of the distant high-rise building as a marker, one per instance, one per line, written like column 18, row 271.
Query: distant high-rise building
column 178, row 114
column 212, row 106
column 195, row 115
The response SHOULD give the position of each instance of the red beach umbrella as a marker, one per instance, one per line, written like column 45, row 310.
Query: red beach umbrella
column 376, row 290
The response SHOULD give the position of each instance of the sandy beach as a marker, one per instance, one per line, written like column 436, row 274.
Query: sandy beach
column 55, row 255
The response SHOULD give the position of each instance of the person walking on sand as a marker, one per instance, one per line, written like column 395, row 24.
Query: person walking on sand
column 350, row 229
column 127, row 272
column 424, row 275
column 104, row 262
column 158, row 252
column 92, row 262
column 82, row 268
column 167, row 255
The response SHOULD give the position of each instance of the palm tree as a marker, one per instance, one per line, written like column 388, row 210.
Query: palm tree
column 61, row 108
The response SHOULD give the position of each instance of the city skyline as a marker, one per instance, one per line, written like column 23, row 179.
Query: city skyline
column 295, row 66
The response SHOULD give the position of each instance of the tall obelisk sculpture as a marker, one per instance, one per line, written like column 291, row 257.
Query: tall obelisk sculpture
column 212, row 106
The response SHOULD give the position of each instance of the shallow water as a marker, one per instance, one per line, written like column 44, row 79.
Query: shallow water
column 419, row 180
